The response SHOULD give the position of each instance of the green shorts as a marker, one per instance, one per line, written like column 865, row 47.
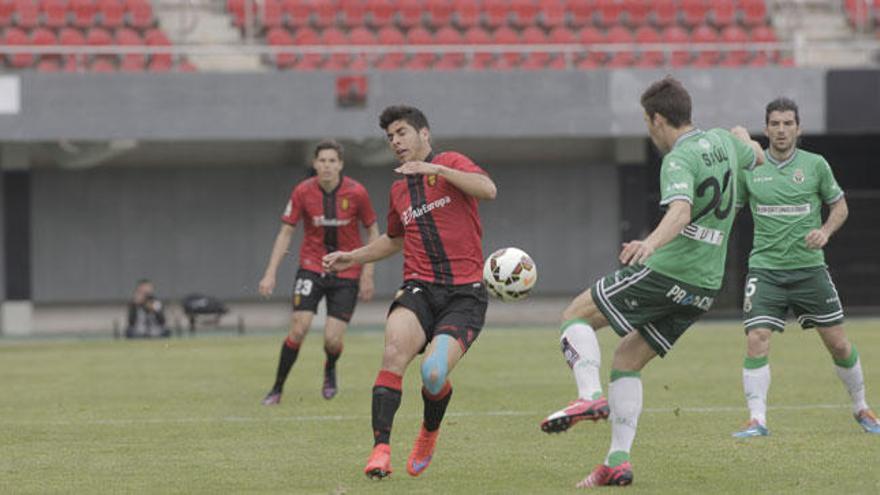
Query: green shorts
column 660, row 308
column 808, row 292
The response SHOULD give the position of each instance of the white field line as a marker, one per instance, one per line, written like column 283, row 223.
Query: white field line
column 364, row 417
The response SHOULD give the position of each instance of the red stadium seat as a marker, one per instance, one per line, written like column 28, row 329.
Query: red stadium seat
column 754, row 12
column 15, row 36
column 380, row 12
column 45, row 37
column 157, row 38
column 506, row 36
column 324, row 13
column 140, row 14
column 362, row 36
column 649, row 58
column 694, row 11
column 439, row 12
column 307, row 61
column 160, row 65
column 524, row 13
column 131, row 64
column 7, row 8
column 281, row 37
column 27, row 15
column 409, row 13
column 352, row 12
column 54, row 13
column 765, row 34
column 534, row 35
column 478, row 36
column 111, row 13
column 637, row 11
column 98, row 37
column 625, row 58
column 72, row 37
column 551, row 13
column 581, row 12
column 495, row 12
column 186, row 66
column 449, row 36
column 102, row 65
column 130, row 37
column 593, row 58
column 390, row 36
column 272, row 14
column 664, row 13
column 610, row 12
column 297, row 13
column 420, row 36
column 723, row 13
column 705, row 34
column 83, row 13
column 49, row 65
column 735, row 34
column 332, row 36
column 466, row 13
column 677, row 35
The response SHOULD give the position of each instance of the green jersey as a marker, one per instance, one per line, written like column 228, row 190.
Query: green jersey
column 702, row 169
column 786, row 202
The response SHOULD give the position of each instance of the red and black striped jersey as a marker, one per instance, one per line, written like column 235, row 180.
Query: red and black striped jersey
column 330, row 220
column 440, row 225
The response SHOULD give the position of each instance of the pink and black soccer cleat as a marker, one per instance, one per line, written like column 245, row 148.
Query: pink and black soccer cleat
column 272, row 398
column 422, row 452
column 576, row 411
column 379, row 463
column 603, row 475
column 328, row 390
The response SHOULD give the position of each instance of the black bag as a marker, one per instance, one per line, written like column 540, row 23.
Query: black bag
column 199, row 304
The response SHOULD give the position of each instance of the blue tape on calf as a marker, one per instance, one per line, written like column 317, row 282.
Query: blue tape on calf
column 435, row 368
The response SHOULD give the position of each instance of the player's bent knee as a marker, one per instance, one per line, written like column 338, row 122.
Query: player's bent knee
column 434, row 371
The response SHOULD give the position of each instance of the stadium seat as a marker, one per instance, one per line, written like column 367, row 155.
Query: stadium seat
column 130, row 37
column 132, row 64
column 307, row 61
column 693, row 12
column 677, row 35
column 160, row 65
column 621, row 35
column 765, row 34
column 333, row 36
column 272, row 14
column 609, row 12
column 466, row 13
column 495, row 13
column 523, row 13
column 157, row 38
column 449, row 36
column 754, row 12
column 7, row 8
column 551, row 13
column 409, row 13
column 735, row 34
column 705, row 34
column 102, row 64
column 281, row 37
column 439, row 12
column 49, row 65
column 506, row 36
column 54, row 13
column 380, row 12
column 111, row 13
column 478, row 36
column 71, row 37
column 324, row 13
column 723, row 13
column 140, row 14
column 534, row 35
column 390, row 36
column 83, row 13
column 581, row 12
column 420, row 37
column 43, row 36
column 16, row 36
column 296, row 13
column 353, row 12
column 636, row 12
column 27, row 14
column 362, row 36
column 593, row 58
column 186, row 66
column 664, row 13
column 649, row 58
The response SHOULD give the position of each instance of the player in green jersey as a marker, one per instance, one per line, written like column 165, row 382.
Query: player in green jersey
column 669, row 280
column 787, row 267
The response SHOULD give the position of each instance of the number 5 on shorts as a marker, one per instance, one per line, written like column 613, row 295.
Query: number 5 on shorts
column 751, row 287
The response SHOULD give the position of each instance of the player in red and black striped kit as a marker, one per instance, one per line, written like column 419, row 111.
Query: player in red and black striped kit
column 330, row 206
column 441, row 306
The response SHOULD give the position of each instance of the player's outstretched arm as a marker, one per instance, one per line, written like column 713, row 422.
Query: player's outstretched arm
column 279, row 249
column 473, row 184
column 367, row 286
column 676, row 218
column 838, row 211
column 743, row 135
column 381, row 248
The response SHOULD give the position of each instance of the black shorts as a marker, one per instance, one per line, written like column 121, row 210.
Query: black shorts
column 310, row 287
column 455, row 310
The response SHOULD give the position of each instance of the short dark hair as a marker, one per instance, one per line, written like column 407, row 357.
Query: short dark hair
column 411, row 115
column 330, row 144
column 143, row 281
column 782, row 104
column 668, row 98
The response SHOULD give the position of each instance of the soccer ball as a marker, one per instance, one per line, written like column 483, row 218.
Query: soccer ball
column 510, row 274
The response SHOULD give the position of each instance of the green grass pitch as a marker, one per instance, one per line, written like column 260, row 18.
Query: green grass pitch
column 183, row 416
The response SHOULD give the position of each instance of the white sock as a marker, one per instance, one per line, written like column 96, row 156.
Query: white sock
column 854, row 381
column 581, row 350
column 756, row 383
column 625, row 401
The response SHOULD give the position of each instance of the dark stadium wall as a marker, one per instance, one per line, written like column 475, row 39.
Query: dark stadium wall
column 210, row 229
column 288, row 105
